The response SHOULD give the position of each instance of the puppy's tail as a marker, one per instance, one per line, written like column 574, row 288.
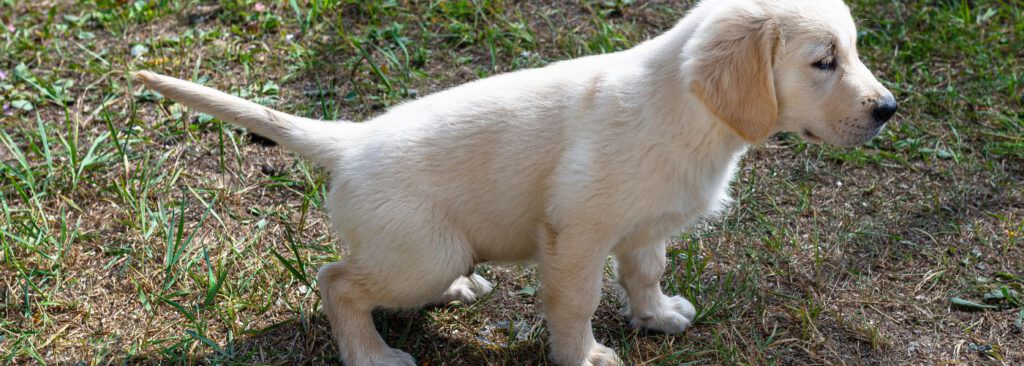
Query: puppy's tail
column 315, row 140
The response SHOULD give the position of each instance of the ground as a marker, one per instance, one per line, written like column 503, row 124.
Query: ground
column 135, row 231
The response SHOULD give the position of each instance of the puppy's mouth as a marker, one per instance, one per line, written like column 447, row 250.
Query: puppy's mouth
column 861, row 135
column 810, row 136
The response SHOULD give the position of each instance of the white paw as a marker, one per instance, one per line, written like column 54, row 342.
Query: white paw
column 671, row 315
column 391, row 357
column 603, row 356
column 466, row 289
column 683, row 306
column 595, row 355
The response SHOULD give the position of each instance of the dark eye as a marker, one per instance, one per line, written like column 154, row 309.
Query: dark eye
column 827, row 63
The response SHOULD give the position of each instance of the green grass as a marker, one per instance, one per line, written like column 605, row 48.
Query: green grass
column 133, row 230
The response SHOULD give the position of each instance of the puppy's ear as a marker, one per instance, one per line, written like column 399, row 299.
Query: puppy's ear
column 733, row 75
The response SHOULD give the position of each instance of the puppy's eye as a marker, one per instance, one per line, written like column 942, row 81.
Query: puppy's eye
column 827, row 63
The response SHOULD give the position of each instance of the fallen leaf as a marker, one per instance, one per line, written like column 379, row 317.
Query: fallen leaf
column 528, row 291
column 970, row 305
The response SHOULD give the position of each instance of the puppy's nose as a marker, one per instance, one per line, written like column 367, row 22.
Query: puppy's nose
column 885, row 109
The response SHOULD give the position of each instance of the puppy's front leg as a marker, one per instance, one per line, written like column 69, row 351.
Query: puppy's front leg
column 571, row 267
column 639, row 272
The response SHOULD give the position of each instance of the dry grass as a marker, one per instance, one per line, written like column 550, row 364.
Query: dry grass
column 133, row 231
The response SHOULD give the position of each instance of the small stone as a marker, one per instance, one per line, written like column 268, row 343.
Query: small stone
column 912, row 347
column 980, row 348
column 139, row 50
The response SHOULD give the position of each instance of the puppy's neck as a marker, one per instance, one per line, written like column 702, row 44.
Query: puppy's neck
column 668, row 101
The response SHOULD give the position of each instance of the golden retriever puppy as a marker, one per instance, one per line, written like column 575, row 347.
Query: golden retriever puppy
column 566, row 165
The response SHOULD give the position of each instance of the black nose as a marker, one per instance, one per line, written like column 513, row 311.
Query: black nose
column 885, row 109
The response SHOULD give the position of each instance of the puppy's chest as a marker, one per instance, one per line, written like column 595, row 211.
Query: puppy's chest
column 677, row 211
column 690, row 190
column 695, row 201
column 680, row 177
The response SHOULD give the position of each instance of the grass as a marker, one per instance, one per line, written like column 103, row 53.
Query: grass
column 135, row 231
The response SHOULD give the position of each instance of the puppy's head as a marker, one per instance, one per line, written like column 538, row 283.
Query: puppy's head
column 764, row 66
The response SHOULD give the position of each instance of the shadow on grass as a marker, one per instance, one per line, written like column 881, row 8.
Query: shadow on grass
column 308, row 341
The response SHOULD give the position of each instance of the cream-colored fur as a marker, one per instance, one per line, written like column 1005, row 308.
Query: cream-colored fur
column 565, row 165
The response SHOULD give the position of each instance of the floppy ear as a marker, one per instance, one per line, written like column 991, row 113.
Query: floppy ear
column 733, row 75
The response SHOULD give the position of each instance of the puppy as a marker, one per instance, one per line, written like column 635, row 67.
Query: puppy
column 566, row 165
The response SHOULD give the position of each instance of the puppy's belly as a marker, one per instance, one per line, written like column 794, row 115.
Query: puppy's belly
column 503, row 242
column 507, row 253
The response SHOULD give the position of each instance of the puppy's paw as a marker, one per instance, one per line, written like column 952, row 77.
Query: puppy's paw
column 466, row 290
column 683, row 306
column 389, row 357
column 603, row 356
column 480, row 285
column 393, row 357
column 594, row 355
column 672, row 315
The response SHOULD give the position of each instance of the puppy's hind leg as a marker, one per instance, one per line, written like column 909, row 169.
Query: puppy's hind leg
column 374, row 276
column 348, row 304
